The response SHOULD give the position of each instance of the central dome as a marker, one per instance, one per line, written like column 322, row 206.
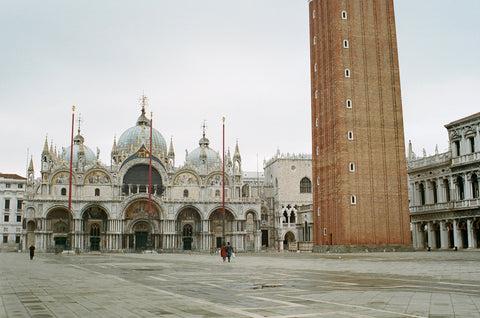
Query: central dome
column 134, row 137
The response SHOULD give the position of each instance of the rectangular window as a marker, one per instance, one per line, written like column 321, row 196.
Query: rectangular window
column 7, row 204
column 353, row 199
column 19, row 204
column 19, row 218
column 7, row 185
column 6, row 218
column 5, row 239
column 20, row 186
column 17, row 239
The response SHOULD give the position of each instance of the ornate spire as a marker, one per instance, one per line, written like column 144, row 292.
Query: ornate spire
column 114, row 148
column 204, row 142
column 236, row 155
column 171, row 152
column 78, row 140
column 143, row 120
column 45, row 146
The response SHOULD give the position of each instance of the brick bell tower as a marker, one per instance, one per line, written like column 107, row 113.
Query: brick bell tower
column 360, row 197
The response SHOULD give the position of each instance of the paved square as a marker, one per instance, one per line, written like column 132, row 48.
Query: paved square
column 421, row 284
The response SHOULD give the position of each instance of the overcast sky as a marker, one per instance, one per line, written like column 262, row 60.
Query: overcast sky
column 200, row 60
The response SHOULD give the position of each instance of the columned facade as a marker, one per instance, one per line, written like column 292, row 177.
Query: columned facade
column 115, row 209
column 449, row 182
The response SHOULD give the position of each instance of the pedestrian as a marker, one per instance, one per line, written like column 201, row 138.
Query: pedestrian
column 229, row 251
column 32, row 251
column 223, row 252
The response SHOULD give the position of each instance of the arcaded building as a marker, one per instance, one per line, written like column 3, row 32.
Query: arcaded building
column 110, row 201
column 444, row 190
column 360, row 195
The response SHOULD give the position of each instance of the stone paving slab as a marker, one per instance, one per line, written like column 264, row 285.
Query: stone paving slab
column 420, row 284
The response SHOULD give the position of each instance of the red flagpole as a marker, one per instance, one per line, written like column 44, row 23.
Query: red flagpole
column 150, row 168
column 70, row 182
column 223, row 185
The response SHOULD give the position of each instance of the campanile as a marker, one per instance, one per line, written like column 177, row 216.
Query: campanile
column 360, row 194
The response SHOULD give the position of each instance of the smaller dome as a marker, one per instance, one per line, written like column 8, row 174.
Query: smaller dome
column 78, row 146
column 203, row 154
column 89, row 154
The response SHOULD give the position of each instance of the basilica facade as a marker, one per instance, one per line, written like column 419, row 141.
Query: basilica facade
column 113, row 208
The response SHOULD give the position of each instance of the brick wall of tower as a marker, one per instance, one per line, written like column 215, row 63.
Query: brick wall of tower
column 379, row 182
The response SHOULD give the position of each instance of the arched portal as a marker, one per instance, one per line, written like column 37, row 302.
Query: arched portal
column 141, row 231
column 216, row 227
column 94, row 226
column 60, row 224
column 140, row 224
column 289, row 239
column 476, row 232
column 462, row 226
column 449, row 228
column 436, row 236
column 190, row 226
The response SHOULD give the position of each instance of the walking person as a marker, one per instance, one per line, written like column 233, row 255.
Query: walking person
column 223, row 252
column 229, row 251
column 32, row 251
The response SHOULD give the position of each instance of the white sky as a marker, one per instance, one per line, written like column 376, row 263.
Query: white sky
column 200, row 60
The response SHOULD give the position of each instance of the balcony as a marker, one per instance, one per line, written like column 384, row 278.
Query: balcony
column 453, row 205
column 435, row 160
column 466, row 159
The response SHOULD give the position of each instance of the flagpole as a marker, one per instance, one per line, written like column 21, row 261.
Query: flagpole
column 68, row 239
column 223, row 185
column 149, row 239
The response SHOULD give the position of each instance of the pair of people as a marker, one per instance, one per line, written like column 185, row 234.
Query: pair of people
column 226, row 251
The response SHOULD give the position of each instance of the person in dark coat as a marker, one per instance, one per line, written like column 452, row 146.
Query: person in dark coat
column 223, row 252
column 32, row 251
column 229, row 251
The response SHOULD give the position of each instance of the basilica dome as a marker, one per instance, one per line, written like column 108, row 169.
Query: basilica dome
column 134, row 137
column 203, row 154
column 79, row 147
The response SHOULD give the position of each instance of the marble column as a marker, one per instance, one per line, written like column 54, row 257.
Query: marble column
column 431, row 236
column 443, row 235
column 457, row 237
column 471, row 239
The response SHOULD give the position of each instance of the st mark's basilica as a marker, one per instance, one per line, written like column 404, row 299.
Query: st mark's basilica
column 109, row 203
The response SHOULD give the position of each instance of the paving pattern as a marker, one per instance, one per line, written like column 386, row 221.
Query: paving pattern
column 421, row 284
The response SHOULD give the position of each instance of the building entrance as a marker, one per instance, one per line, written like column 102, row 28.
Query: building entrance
column 60, row 241
column 94, row 244
column 141, row 240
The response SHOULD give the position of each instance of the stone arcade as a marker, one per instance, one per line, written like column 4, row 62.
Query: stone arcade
column 444, row 190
